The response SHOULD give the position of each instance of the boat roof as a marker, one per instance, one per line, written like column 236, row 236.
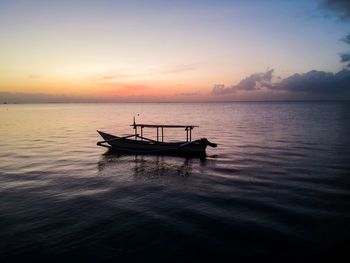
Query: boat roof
column 162, row 126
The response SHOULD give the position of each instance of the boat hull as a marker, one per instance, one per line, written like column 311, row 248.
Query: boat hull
column 117, row 143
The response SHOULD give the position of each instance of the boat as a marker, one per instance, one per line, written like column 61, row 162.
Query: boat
column 137, row 143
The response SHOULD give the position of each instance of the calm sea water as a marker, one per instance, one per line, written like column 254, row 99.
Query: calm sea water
column 276, row 188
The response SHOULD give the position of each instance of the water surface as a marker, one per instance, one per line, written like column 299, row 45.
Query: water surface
column 276, row 188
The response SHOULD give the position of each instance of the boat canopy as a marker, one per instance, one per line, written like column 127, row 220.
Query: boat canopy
column 188, row 129
column 163, row 126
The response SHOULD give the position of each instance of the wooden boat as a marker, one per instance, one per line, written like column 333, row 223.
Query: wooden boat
column 136, row 143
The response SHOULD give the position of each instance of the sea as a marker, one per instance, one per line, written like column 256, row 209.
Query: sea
column 277, row 187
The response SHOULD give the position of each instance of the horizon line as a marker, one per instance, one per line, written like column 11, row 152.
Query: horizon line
column 182, row 102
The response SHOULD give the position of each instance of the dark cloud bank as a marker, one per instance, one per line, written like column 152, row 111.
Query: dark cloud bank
column 340, row 7
column 311, row 85
column 345, row 57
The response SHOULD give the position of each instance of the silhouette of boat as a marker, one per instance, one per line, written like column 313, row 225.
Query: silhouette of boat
column 137, row 143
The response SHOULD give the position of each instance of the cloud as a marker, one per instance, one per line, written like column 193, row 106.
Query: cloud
column 312, row 85
column 122, row 85
column 339, row 7
column 255, row 81
column 126, row 89
column 101, row 77
column 109, row 77
column 345, row 57
column 346, row 39
column 187, row 94
column 179, row 69
column 33, row 76
column 118, row 75
column 318, row 82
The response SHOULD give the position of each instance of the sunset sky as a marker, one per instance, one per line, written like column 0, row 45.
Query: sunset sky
column 171, row 50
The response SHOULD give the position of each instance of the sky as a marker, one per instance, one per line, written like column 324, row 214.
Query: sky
column 184, row 50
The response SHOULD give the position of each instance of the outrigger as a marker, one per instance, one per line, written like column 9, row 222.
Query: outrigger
column 137, row 143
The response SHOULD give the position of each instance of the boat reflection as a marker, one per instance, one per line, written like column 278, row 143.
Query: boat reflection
column 148, row 166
